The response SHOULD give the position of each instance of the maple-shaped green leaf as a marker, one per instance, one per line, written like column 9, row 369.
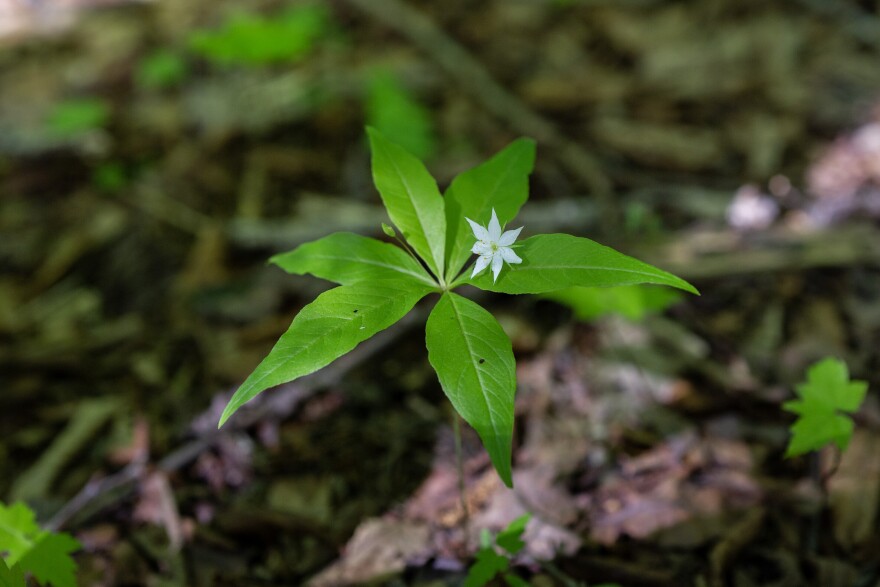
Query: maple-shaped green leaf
column 18, row 531
column 488, row 564
column 49, row 560
column 347, row 258
column 11, row 577
column 28, row 548
column 510, row 539
column 824, row 400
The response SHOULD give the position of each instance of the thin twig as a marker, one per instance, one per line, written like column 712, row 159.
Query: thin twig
column 459, row 461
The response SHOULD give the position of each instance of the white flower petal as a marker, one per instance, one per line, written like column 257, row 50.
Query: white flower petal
column 509, row 256
column 482, row 248
column 494, row 228
column 508, row 237
column 481, row 233
column 481, row 264
column 497, row 263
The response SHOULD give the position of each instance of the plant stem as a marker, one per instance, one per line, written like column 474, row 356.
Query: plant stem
column 459, row 461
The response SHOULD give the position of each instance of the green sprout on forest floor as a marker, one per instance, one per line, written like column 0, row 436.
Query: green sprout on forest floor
column 26, row 549
column 161, row 69
column 247, row 39
column 393, row 111
column 490, row 563
column 379, row 283
column 492, row 560
column 823, row 406
column 75, row 117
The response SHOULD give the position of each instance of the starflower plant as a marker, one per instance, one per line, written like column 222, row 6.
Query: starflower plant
column 379, row 283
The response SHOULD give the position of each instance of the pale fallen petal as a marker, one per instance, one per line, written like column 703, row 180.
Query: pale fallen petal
column 481, row 264
column 508, row 237
column 481, row 233
column 497, row 263
column 509, row 256
column 494, row 228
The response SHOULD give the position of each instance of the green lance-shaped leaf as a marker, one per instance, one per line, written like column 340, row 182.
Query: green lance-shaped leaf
column 555, row 261
column 328, row 328
column 501, row 183
column 412, row 199
column 347, row 258
column 474, row 361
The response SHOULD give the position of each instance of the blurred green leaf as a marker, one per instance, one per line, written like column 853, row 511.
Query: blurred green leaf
column 18, row 528
column 510, row 539
column 633, row 302
column 248, row 39
column 29, row 549
column 393, row 110
column 161, row 69
column 109, row 177
column 74, row 117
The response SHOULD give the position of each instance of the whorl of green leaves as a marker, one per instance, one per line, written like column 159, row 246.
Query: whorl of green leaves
column 380, row 282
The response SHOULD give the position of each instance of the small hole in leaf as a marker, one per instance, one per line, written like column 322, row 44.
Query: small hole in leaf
column 482, row 361
column 355, row 311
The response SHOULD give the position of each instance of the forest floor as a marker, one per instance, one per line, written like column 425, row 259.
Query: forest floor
column 153, row 156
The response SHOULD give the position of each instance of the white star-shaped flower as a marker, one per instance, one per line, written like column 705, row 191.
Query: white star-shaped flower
column 492, row 246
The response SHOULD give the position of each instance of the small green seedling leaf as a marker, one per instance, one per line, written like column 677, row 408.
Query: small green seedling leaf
column 489, row 563
column 74, row 117
column 412, row 199
column 247, row 39
column 347, row 258
column 473, row 358
column 26, row 548
column 510, row 539
column 11, row 577
column 388, row 231
column 633, row 302
column 49, row 560
column 161, row 69
column 514, row 581
column 501, row 183
column 556, row 261
column 394, row 112
column 332, row 325
column 18, row 530
column 487, row 566
column 824, row 400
